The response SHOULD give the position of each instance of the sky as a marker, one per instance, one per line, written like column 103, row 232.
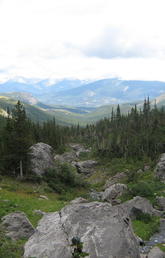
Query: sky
column 84, row 39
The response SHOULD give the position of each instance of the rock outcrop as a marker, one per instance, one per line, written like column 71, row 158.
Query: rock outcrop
column 41, row 158
column 96, row 196
column 115, row 179
column 139, row 204
column 160, row 168
column 86, row 167
column 78, row 148
column 104, row 230
column 66, row 157
column 17, row 226
column 161, row 202
column 113, row 192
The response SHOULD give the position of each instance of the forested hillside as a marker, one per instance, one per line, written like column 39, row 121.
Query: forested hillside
column 137, row 135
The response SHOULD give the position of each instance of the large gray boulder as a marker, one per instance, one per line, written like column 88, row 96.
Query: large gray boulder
column 114, row 192
column 86, row 167
column 139, row 204
column 160, row 168
column 16, row 226
column 105, row 231
column 41, row 158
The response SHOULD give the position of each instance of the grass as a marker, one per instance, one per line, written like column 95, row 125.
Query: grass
column 146, row 229
column 161, row 246
column 19, row 196
column 22, row 196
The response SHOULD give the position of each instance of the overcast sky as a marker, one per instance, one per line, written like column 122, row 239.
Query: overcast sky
column 85, row 39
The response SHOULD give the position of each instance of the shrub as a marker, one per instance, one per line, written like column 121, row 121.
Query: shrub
column 78, row 248
column 143, row 189
column 62, row 177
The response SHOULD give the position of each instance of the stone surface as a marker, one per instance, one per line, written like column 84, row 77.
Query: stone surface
column 115, row 179
column 39, row 212
column 79, row 200
column 86, row 167
column 156, row 253
column 41, row 158
column 66, row 157
column 113, row 192
column 44, row 197
column 160, row 168
column 78, row 148
column 17, row 226
column 104, row 230
column 139, row 203
column 96, row 196
column 161, row 202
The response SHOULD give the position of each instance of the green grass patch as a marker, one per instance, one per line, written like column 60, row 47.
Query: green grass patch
column 22, row 196
column 145, row 229
column 161, row 246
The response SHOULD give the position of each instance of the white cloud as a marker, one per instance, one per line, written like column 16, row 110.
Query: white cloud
column 82, row 38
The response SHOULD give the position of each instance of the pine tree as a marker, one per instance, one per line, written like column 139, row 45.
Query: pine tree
column 17, row 140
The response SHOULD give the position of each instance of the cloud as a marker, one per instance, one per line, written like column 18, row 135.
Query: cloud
column 115, row 42
column 82, row 38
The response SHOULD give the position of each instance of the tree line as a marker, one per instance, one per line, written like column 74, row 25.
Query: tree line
column 135, row 135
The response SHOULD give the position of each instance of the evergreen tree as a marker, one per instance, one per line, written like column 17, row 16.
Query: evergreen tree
column 17, row 141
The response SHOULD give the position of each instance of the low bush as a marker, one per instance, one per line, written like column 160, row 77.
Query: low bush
column 143, row 189
column 62, row 177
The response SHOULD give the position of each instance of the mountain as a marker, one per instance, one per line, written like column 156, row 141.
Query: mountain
column 160, row 100
column 33, row 112
column 22, row 96
column 40, row 89
column 110, row 91
column 67, row 115
column 82, row 93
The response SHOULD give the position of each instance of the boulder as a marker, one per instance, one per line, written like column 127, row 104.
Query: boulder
column 160, row 168
column 17, row 226
column 43, row 197
column 113, row 192
column 66, row 157
column 86, row 167
column 105, row 232
column 78, row 148
column 139, row 204
column 161, row 202
column 96, row 196
column 115, row 179
column 41, row 158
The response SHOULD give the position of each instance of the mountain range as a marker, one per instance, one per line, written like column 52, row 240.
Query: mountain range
column 66, row 115
column 84, row 93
